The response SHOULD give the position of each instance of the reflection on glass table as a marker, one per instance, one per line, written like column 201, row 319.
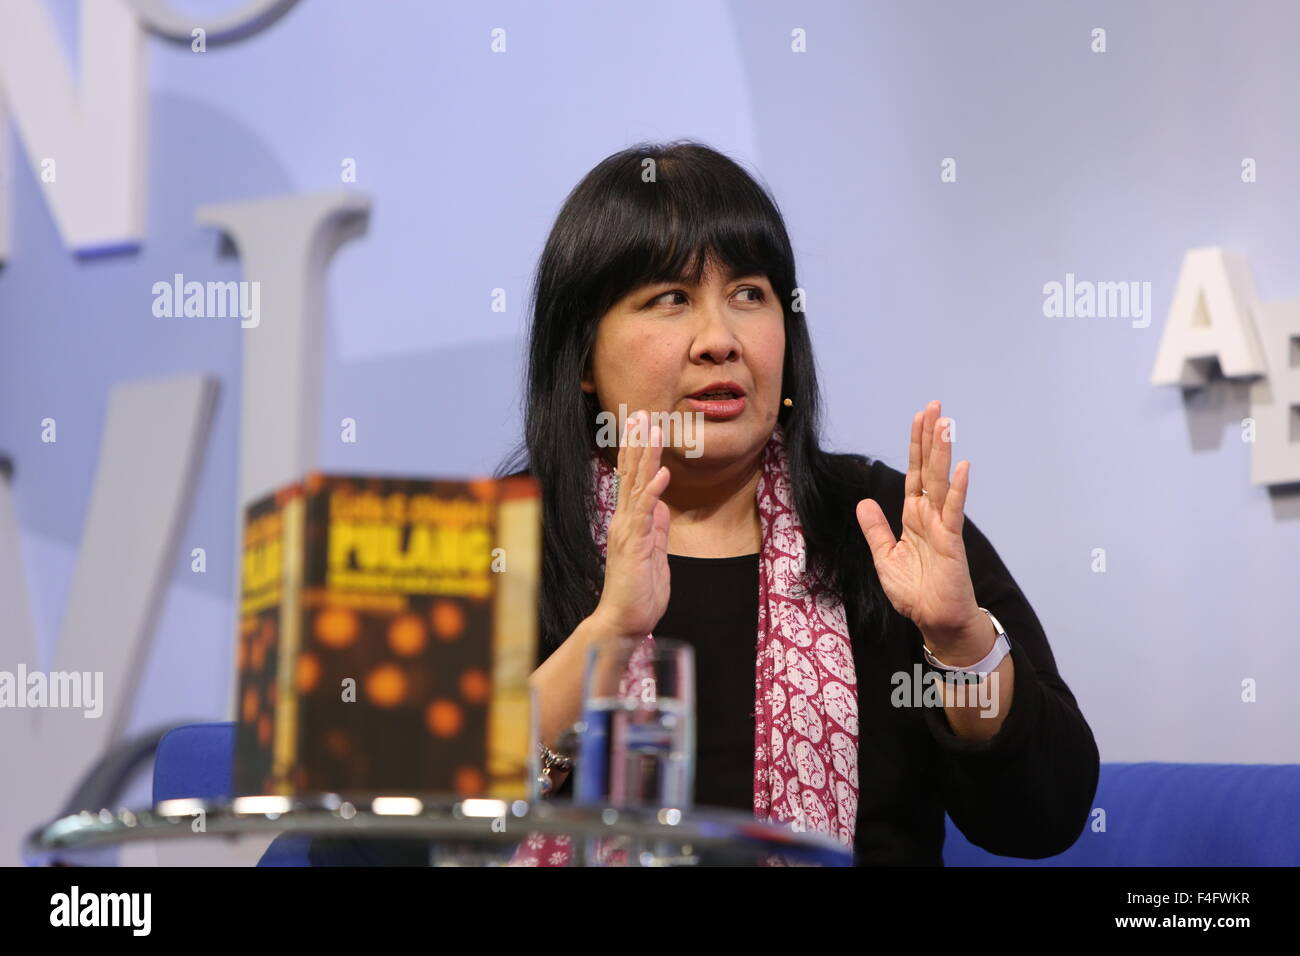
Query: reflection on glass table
column 439, row 831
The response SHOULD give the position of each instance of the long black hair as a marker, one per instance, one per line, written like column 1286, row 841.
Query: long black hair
column 660, row 212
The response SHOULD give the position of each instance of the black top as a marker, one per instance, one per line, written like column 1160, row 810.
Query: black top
column 713, row 606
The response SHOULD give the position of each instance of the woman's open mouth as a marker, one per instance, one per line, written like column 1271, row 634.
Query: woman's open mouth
column 719, row 401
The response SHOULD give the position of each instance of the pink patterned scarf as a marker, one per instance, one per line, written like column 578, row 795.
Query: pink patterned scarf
column 805, row 704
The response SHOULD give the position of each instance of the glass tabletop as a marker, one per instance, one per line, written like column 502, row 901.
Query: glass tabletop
column 441, row 831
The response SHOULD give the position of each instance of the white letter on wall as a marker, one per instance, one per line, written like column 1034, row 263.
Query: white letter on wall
column 96, row 133
column 1210, row 316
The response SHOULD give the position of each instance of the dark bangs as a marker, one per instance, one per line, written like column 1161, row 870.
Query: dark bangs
column 701, row 206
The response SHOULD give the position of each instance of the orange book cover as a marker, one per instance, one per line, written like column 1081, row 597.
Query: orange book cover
column 388, row 627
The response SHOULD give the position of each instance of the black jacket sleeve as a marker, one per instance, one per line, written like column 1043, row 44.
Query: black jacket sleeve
column 1028, row 790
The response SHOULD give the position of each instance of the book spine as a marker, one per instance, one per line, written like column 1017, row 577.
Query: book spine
column 259, row 610
column 510, row 754
column 286, row 745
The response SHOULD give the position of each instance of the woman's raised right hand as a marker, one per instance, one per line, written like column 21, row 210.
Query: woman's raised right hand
column 635, row 594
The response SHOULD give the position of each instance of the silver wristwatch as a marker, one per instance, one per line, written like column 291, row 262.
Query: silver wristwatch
column 976, row 671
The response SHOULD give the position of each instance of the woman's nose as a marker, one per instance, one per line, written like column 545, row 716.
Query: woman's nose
column 715, row 341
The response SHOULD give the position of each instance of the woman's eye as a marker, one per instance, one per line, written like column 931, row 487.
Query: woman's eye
column 663, row 297
column 659, row 299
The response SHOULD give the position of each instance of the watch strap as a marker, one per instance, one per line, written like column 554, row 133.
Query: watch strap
column 1001, row 648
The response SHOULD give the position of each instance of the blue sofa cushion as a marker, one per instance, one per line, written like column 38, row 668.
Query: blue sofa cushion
column 1175, row 814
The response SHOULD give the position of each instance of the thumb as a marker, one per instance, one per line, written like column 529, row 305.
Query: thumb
column 876, row 529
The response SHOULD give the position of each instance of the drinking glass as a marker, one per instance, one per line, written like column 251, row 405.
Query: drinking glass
column 637, row 729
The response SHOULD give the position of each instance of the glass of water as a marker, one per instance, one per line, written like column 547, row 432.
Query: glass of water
column 637, row 729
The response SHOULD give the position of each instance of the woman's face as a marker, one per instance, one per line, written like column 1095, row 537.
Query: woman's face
column 663, row 343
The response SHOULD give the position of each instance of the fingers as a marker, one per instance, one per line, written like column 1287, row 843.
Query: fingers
column 931, row 446
column 954, row 507
column 620, row 468
column 929, row 459
column 940, row 462
column 930, row 415
column 659, row 477
column 641, row 477
column 912, row 486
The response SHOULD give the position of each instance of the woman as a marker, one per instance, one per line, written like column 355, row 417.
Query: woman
column 820, row 590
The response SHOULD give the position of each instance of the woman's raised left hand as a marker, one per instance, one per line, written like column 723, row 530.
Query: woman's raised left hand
column 924, row 573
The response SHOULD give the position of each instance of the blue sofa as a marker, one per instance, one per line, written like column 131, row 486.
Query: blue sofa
column 1156, row 814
